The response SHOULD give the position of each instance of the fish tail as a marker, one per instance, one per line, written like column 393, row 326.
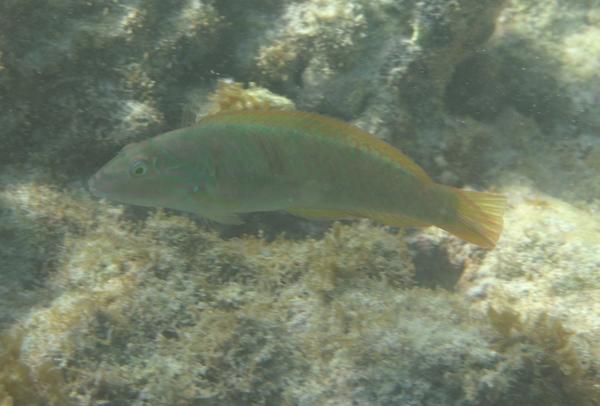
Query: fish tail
column 478, row 217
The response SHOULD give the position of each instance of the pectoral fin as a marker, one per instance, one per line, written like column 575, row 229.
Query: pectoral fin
column 210, row 211
column 224, row 218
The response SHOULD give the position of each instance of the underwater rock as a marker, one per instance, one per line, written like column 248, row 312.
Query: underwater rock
column 545, row 272
column 81, row 78
column 177, row 314
column 542, row 61
column 535, row 83
column 117, row 72
column 100, row 303
column 546, row 261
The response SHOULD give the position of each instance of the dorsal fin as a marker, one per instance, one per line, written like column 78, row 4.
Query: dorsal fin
column 322, row 126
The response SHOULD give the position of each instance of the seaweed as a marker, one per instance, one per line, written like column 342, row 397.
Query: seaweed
column 20, row 385
column 553, row 371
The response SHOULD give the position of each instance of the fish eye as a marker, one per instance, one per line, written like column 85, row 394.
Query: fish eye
column 138, row 168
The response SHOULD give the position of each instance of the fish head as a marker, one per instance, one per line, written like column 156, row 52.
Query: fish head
column 143, row 174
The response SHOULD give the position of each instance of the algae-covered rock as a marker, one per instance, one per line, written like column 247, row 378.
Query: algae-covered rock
column 540, row 287
column 541, row 60
column 99, row 75
column 79, row 78
column 161, row 310
column 176, row 315
column 541, row 63
column 104, row 304
column 545, row 262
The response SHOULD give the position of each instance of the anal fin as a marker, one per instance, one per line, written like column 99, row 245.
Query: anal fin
column 383, row 218
column 315, row 214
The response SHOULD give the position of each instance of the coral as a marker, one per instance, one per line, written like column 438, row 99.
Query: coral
column 233, row 96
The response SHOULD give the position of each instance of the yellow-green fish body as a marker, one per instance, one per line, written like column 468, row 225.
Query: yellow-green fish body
column 307, row 164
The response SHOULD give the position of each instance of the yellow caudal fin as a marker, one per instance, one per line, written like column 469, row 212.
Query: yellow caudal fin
column 478, row 218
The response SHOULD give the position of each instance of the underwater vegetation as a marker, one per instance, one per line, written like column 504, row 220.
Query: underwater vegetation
column 552, row 369
column 102, row 304
column 18, row 386
column 157, row 310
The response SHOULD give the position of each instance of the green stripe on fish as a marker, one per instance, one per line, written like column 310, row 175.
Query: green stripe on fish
column 304, row 163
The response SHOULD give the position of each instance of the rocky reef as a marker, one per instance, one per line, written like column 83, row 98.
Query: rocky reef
column 102, row 304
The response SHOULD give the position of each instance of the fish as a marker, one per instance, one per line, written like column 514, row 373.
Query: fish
column 307, row 164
